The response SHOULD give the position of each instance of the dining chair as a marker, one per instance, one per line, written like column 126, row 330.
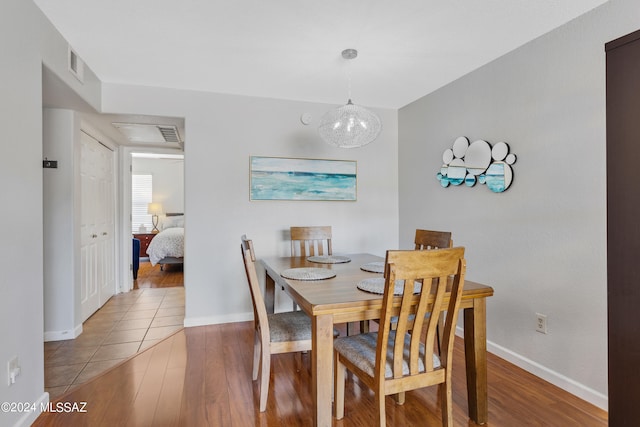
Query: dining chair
column 428, row 239
column 286, row 332
column 311, row 241
column 392, row 361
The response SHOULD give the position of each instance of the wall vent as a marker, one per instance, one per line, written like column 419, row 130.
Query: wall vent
column 76, row 66
column 169, row 133
column 149, row 133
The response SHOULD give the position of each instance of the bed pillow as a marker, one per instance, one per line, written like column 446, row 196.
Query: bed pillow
column 173, row 222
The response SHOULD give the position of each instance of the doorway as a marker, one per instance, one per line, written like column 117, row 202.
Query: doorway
column 158, row 183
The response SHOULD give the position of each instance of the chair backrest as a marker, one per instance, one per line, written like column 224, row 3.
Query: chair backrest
column 259, row 307
column 310, row 241
column 428, row 239
column 445, row 270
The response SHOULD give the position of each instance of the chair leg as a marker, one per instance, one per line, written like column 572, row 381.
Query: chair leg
column 399, row 398
column 364, row 326
column 256, row 355
column 338, row 385
column 446, row 404
column 264, row 378
column 298, row 360
column 382, row 418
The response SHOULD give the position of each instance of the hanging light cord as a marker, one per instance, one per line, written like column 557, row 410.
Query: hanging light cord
column 349, row 55
column 349, row 80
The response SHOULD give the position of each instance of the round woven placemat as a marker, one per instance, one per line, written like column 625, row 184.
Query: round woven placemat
column 304, row 273
column 329, row 259
column 373, row 267
column 375, row 285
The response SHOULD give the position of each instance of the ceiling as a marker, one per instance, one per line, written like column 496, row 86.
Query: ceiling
column 291, row 49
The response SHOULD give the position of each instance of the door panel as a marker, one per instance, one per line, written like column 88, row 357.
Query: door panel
column 97, row 228
column 623, row 233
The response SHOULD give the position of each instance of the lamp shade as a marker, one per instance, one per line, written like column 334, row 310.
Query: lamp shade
column 349, row 126
column 154, row 208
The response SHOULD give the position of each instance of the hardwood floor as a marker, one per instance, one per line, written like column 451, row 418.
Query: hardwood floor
column 201, row 376
column 170, row 276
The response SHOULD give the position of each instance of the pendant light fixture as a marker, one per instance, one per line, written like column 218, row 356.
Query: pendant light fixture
column 351, row 125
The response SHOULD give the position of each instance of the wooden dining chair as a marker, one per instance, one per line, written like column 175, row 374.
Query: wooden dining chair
column 286, row 332
column 392, row 361
column 311, row 241
column 428, row 239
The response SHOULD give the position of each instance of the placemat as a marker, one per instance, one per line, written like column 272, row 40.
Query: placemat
column 304, row 273
column 329, row 259
column 375, row 285
column 373, row 267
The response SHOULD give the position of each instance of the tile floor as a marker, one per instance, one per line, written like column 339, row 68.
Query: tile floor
column 126, row 324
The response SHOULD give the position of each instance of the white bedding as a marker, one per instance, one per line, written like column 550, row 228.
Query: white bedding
column 167, row 243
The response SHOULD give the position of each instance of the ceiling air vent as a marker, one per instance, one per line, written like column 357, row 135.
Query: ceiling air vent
column 136, row 132
column 169, row 133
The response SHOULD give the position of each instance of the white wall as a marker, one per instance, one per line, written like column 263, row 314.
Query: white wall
column 28, row 40
column 222, row 133
column 542, row 243
column 168, row 181
column 61, row 321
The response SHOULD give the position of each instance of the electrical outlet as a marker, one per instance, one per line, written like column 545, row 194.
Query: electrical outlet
column 13, row 370
column 541, row 323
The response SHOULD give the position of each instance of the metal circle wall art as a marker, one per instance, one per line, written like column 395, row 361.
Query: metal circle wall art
column 477, row 162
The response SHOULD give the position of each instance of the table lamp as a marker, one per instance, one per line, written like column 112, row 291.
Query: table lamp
column 154, row 209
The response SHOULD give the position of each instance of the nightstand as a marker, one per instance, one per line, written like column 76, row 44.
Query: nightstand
column 145, row 239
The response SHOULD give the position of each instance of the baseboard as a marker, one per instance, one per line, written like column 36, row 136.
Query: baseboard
column 30, row 417
column 215, row 320
column 577, row 389
column 68, row 334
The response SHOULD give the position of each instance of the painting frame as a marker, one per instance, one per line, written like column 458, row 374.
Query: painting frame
column 302, row 179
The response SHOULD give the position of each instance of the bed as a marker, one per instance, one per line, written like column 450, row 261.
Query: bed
column 167, row 247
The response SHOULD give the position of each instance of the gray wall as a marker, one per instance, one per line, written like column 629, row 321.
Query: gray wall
column 28, row 41
column 542, row 243
column 222, row 133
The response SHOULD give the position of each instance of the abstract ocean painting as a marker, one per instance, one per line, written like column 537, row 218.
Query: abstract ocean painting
column 281, row 178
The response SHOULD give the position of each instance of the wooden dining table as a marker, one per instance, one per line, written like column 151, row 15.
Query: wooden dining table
column 338, row 300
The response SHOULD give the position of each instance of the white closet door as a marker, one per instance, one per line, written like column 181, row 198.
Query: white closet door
column 97, row 228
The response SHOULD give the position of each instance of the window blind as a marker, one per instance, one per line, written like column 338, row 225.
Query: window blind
column 141, row 196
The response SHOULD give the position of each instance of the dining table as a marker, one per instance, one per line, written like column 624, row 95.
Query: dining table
column 337, row 299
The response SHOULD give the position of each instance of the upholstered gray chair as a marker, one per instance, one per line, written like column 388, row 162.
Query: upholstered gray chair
column 286, row 332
